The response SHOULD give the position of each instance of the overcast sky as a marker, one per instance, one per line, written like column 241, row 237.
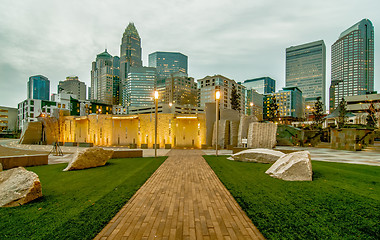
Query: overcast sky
column 238, row 39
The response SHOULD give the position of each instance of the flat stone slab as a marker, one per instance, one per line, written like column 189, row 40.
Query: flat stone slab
column 18, row 186
column 258, row 155
column 9, row 162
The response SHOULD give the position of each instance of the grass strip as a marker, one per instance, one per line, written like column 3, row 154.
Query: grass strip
column 342, row 201
column 76, row 204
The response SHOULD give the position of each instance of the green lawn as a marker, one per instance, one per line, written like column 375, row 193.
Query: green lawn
column 76, row 204
column 342, row 201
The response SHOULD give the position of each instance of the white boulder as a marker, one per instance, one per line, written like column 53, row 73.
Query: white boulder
column 89, row 158
column 294, row 166
column 259, row 155
column 18, row 186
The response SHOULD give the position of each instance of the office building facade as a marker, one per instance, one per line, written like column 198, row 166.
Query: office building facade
column 352, row 63
column 8, row 119
column 306, row 69
column 105, row 79
column 39, row 87
column 138, row 89
column 72, row 85
column 262, row 85
column 290, row 103
column 208, row 85
column 168, row 63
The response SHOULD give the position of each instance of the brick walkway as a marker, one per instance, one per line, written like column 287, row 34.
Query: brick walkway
column 183, row 199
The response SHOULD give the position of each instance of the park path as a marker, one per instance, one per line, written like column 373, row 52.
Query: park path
column 183, row 199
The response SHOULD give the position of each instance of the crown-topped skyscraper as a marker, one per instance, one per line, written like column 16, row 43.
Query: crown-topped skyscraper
column 130, row 52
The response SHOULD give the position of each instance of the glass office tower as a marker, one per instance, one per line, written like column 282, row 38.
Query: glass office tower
column 306, row 69
column 167, row 63
column 38, row 87
column 262, row 85
column 352, row 63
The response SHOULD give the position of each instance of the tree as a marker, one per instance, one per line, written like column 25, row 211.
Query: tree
column 342, row 118
column 272, row 109
column 235, row 99
column 318, row 112
column 371, row 117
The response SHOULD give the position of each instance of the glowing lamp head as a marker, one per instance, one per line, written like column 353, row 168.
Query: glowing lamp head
column 170, row 104
column 217, row 95
column 155, row 94
column 251, row 104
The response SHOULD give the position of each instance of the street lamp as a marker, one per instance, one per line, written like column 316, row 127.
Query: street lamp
column 155, row 123
column 217, row 97
column 251, row 104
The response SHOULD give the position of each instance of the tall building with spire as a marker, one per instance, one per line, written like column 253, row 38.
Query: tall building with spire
column 105, row 78
column 130, row 56
column 352, row 63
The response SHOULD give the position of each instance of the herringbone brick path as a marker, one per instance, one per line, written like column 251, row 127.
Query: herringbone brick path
column 183, row 199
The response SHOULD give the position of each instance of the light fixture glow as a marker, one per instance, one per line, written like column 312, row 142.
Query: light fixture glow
column 217, row 95
column 155, row 94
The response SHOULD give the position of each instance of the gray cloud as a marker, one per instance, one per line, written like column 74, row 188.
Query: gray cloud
column 239, row 39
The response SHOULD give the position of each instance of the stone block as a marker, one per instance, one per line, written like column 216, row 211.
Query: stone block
column 234, row 133
column 243, row 128
column 168, row 146
column 85, row 144
column 262, row 135
column 18, row 186
column 127, row 154
column 144, row 146
column 9, row 162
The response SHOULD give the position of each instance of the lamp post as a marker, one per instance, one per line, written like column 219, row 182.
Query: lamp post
column 217, row 97
column 251, row 104
column 155, row 122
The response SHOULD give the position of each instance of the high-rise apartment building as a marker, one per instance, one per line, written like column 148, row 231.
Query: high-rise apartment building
column 105, row 78
column 306, row 69
column 352, row 63
column 72, row 85
column 138, row 90
column 38, row 87
column 178, row 89
column 167, row 63
column 209, row 84
column 262, row 85
column 130, row 55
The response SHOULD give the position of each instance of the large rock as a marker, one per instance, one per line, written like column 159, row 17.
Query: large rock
column 292, row 167
column 91, row 157
column 18, row 186
column 262, row 135
column 259, row 155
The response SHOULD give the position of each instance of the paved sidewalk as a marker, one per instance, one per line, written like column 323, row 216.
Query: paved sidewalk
column 183, row 199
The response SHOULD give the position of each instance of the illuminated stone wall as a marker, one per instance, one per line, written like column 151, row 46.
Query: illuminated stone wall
column 111, row 130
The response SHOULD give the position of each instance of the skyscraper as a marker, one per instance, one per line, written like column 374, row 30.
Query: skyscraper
column 38, row 87
column 352, row 63
column 262, row 85
column 104, row 76
column 130, row 56
column 139, row 88
column 167, row 63
column 306, row 69
column 72, row 85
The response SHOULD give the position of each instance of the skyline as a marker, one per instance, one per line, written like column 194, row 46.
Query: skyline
column 239, row 41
